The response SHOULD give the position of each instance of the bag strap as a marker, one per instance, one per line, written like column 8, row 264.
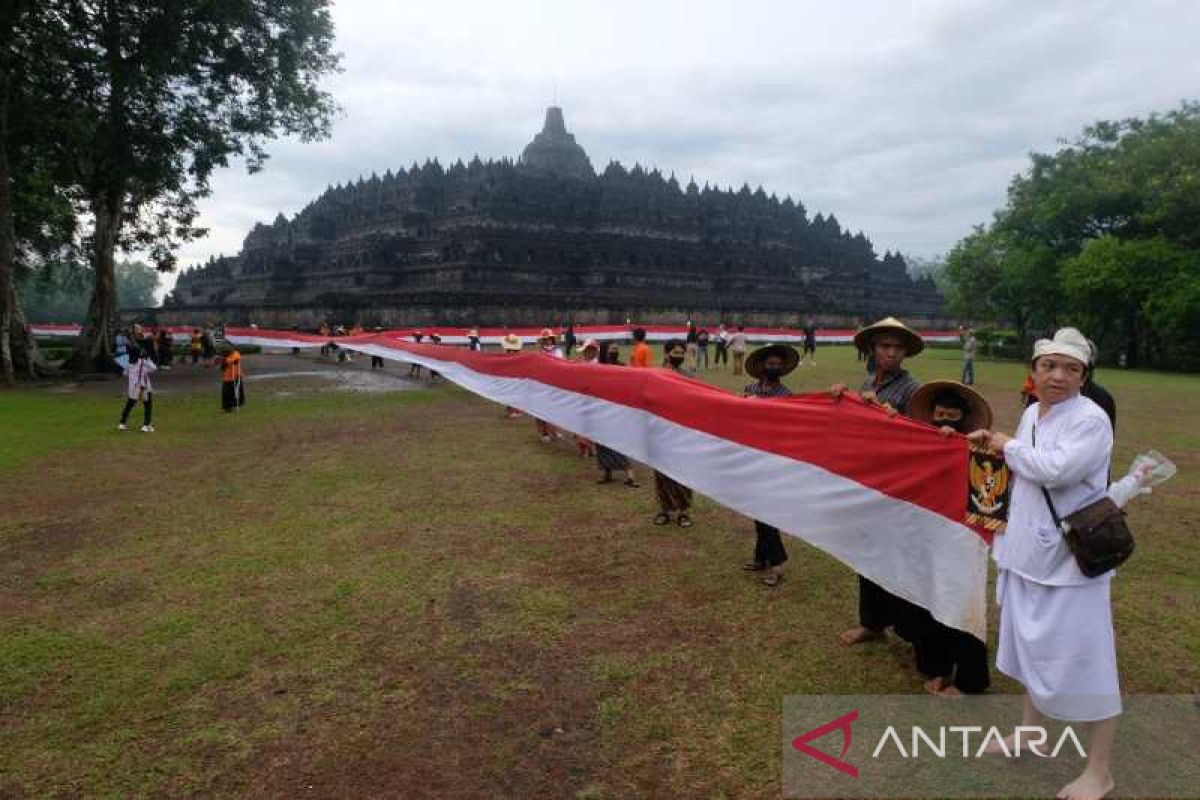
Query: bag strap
column 1046, row 492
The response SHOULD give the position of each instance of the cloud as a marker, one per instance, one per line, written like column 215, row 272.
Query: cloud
column 905, row 120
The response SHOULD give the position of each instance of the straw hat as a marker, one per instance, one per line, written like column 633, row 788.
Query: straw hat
column 979, row 413
column 913, row 343
column 754, row 361
column 590, row 343
column 546, row 334
column 510, row 342
column 675, row 347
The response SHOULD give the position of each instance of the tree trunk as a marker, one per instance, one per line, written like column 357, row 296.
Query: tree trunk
column 19, row 356
column 93, row 348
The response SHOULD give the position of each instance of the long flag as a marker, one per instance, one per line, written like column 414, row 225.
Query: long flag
column 884, row 495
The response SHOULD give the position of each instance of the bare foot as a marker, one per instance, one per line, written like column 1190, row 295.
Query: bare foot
column 859, row 635
column 1087, row 787
column 942, row 687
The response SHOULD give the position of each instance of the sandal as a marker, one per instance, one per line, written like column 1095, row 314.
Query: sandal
column 772, row 579
column 684, row 521
column 663, row 518
column 754, row 566
column 632, row 484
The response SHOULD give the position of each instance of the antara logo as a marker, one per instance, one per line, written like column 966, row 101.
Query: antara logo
column 1026, row 738
column 842, row 723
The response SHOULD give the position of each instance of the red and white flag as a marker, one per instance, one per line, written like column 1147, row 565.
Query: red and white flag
column 884, row 495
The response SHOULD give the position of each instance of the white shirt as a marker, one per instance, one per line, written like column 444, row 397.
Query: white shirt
column 737, row 343
column 138, row 376
column 1071, row 459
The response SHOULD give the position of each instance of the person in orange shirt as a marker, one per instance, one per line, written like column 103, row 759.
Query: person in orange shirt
column 641, row 351
column 233, row 393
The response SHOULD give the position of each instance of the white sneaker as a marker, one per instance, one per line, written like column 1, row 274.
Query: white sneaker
column 147, row 429
column 121, row 426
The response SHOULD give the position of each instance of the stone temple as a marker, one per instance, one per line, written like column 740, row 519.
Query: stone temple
column 544, row 239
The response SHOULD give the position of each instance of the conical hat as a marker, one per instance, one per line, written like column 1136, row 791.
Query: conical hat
column 754, row 362
column 913, row 343
column 979, row 413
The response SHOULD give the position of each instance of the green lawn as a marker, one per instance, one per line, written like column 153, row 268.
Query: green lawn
column 405, row 594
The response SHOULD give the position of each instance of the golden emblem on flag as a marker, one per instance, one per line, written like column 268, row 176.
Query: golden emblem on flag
column 988, row 490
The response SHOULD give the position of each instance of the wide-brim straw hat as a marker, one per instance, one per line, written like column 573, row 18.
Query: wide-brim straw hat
column 979, row 413
column 675, row 345
column 546, row 334
column 913, row 343
column 754, row 361
column 511, row 342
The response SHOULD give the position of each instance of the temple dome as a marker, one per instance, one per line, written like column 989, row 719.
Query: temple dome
column 555, row 150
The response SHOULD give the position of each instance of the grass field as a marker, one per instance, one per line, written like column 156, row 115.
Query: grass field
column 405, row 594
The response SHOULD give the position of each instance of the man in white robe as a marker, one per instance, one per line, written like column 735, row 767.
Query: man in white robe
column 1056, row 631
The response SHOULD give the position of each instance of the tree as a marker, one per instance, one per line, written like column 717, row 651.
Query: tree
column 58, row 290
column 161, row 94
column 1102, row 233
column 37, row 220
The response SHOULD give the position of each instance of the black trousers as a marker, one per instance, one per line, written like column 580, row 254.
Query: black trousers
column 946, row 652
column 768, row 545
column 233, row 395
column 376, row 361
column 147, row 409
column 721, row 356
column 878, row 608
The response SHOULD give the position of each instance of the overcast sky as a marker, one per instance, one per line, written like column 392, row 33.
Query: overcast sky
column 906, row 120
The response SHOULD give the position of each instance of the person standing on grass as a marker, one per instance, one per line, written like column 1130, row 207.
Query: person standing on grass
column 121, row 345
column 889, row 341
column 692, row 342
column 163, row 345
column 195, row 346
column 673, row 497
column 1056, row 629
column 721, row 341
column 139, row 389
column 414, row 369
column 548, row 345
column 952, row 661
column 641, row 351
column 233, row 391
column 588, row 354
column 810, row 343
column 702, row 339
column 737, row 346
column 969, row 346
column 769, row 365
column 610, row 460
column 510, row 345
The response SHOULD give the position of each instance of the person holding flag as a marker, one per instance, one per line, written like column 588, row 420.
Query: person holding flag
column 889, row 342
column 769, row 365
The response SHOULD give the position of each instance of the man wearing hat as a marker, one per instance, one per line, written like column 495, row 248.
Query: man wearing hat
column 953, row 661
column 1056, row 629
column 888, row 342
column 769, row 364
column 673, row 497
column 510, row 345
column 547, row 344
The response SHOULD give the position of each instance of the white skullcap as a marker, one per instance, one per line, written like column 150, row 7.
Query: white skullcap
column 1066, row 342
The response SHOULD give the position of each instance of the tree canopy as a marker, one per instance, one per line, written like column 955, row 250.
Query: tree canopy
column 1102, row 234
